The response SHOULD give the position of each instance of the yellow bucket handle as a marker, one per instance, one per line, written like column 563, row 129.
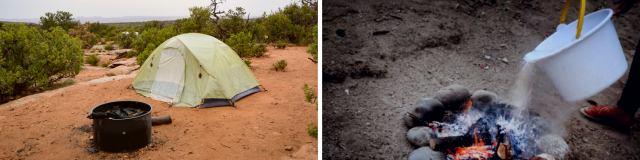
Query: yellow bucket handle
column 567, row 3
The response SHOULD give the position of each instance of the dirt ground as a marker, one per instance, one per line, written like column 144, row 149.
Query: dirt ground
column 390, row 54
column 53, row 124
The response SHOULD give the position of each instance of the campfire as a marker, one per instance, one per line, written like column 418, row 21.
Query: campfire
column 457, row 125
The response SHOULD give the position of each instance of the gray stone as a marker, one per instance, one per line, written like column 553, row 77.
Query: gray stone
column 427, row 109
column 426, row 153
column 121, row 70
column 482, row 99
column 125, row 63
column 540, row 124
column 553, row 145
column 419, row 136
column 91, row 150
column 453, row 96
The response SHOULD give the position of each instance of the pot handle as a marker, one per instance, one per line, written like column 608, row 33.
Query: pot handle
column 567, row 3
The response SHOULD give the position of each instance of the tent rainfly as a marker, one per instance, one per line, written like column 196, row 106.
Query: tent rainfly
column 195, row 70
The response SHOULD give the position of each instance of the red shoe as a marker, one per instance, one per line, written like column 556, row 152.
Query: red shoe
column 611, row 114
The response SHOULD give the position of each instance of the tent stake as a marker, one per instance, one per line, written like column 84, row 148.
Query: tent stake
column 265, row 89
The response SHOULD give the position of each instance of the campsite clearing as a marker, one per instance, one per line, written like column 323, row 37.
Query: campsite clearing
column 54, row 126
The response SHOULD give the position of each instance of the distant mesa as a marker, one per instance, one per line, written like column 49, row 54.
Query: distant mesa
column 102, row 19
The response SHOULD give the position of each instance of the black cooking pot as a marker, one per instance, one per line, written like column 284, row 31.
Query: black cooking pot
column 122, row 135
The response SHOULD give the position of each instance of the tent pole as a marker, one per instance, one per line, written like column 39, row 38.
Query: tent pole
column 202, row 100
column 232, row 103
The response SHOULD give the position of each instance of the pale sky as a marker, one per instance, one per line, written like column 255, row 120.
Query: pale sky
column 27, row 9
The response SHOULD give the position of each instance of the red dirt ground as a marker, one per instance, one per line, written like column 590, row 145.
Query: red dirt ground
column 53, row 124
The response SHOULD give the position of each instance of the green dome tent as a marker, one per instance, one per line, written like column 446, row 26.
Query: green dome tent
column 195, row 70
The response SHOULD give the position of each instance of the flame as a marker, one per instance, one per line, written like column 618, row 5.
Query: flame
column 478, row 150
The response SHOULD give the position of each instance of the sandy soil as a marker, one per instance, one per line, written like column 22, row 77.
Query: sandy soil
column 53, row 124
column 433, row 44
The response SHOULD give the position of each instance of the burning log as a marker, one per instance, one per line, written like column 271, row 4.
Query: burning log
column 446, row 143
column 505, row 151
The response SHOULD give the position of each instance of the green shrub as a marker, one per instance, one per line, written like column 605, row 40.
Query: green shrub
column 132, row 53
column 260, row 50
column 147, row 51
column 29, row 57
column 313, row 47
column 245, row 45
column 291, row 23
column 281, row 44
column 67, row 82
column 109, row 47
column 279, row 66
column 242, row 43
column 248, row 63
column 93, row 60
column 125, row 40
column 139, row 45
column 312, row 129
column 105, row 64
column 308, row 93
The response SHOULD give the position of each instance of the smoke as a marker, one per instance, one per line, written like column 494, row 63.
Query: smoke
column 546, row 100
column 532, row 91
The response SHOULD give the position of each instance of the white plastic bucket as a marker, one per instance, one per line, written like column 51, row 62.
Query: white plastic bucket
column 580, row 68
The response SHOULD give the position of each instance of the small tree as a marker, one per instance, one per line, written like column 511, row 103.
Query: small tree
column 60, row 18
column 33, row 58
column 82, row 32
column 197, row 20
column 213, row 9
column 313, row 47
column 143, row 57
column 242, row 43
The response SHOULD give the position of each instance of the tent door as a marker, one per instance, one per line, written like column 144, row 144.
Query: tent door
column 169, row 80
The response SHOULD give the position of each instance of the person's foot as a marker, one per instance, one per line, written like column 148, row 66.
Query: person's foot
column 612, row 114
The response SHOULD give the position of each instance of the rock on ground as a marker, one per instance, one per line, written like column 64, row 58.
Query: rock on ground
column 120, row 70
column 552, row 144
column 483, row 98
column 453, row 96
column 122, row 63
column 427, row 109
column 426, row 153
column 419, row 136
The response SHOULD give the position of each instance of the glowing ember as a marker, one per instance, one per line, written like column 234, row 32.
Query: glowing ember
column 477, row 151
